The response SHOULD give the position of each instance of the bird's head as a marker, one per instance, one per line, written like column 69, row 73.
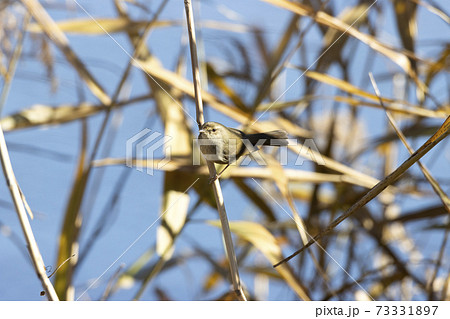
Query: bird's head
column 213, row 130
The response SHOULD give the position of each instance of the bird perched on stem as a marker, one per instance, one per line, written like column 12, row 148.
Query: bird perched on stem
column 224, row 145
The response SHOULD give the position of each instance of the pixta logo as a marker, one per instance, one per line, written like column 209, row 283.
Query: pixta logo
column 141, row 149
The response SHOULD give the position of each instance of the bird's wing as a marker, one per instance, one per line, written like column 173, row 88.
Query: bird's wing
column 236, row 131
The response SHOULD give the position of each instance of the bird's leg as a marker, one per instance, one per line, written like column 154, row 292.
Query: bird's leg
column 213, row 179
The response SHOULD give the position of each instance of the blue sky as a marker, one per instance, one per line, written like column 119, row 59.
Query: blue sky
column 46, row 179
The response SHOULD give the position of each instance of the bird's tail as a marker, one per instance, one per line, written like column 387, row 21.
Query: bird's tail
column 274, row 138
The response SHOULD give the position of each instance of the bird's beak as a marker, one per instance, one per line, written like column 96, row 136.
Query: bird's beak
column 201, row 131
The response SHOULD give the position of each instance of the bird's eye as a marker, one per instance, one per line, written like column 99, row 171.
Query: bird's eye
column 213, row 129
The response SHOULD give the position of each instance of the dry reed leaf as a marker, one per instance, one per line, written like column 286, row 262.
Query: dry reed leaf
column 3, row 69
column 261, row 45
column 266, row 243
column 175, row 206
column 322, row 122
column 323, row 18
column 406, row 13
column 360, row 178
column 274, row 59
column 393, row 105
column 351, row 15
column 334, row 40
column 212, row 281
column 178, row 143
column 294, row 175
column 225, row 26
column 43, row 115
column 220, row 82
column 439, row 65
column 13, row 61
column 433, row 9
column 380, row 287
column 293, row 129
column 418, row 215
column 68, row 240
column 60, row 40
column 101, row 26
column 219, row 269
column 434, row 184
column 257, row 199
column 175, row 199
column 401, row 107
column 47, row 58
column 281, row 180
column 165, row 76
column 304, row 193
column 412, row 131
column 438, row 136
column 88, row 26
column 397, row 107
column 39, row 115
column 343, row 85
column 278, row 174
column 269, row 272
column 134, row 271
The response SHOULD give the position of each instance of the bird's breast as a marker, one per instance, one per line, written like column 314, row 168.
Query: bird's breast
column 214, row 150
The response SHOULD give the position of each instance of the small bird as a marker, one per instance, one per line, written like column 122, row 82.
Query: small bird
column 224, row 145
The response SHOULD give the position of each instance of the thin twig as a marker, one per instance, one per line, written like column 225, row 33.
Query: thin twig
column 434, row 184
column 110, row 285
column 441, row 133
column 212, row 170
column 62, row 264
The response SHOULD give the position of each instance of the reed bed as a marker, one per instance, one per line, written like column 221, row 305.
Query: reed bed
column 356, row 208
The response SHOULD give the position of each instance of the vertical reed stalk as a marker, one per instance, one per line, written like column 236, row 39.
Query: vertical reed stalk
column 212, row 170
column 32, row 246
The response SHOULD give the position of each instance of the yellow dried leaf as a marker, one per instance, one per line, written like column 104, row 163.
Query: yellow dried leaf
column 266, row 243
